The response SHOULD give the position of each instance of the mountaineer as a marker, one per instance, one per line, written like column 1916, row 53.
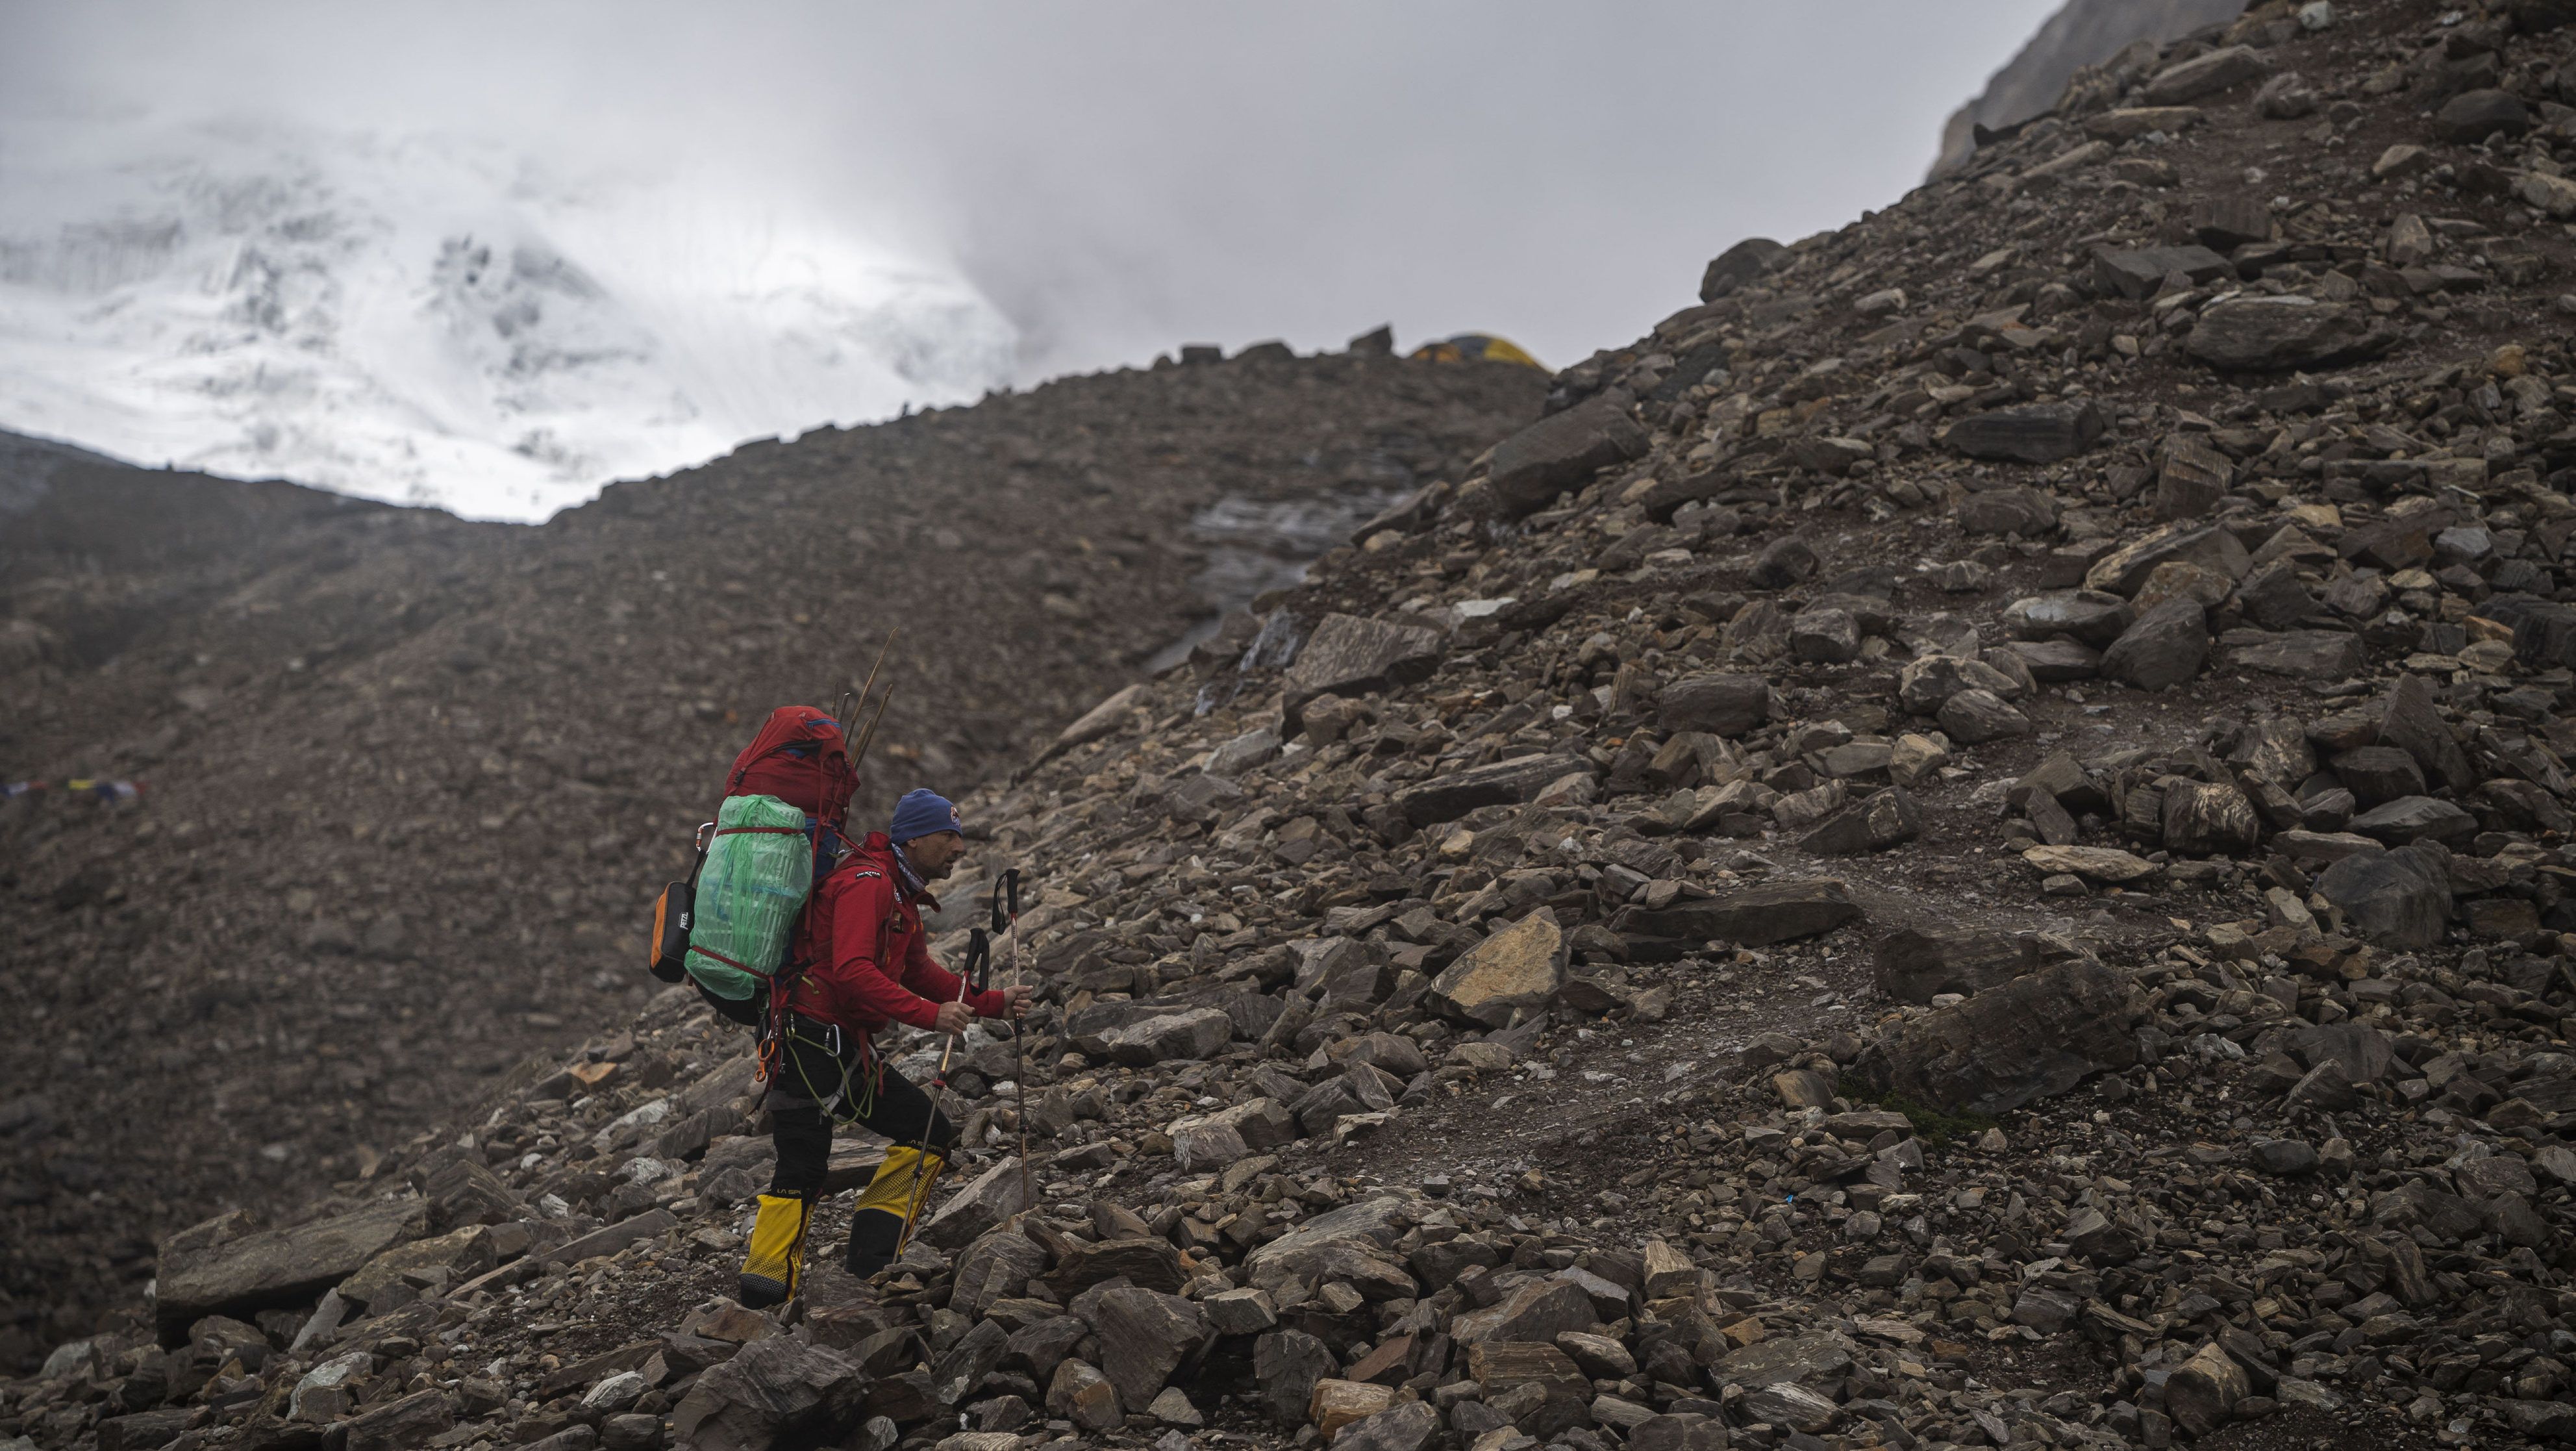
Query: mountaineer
column 866, row 963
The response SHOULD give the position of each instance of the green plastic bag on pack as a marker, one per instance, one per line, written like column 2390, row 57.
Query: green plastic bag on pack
column 759, row 870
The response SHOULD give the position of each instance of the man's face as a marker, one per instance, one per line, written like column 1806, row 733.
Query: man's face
column 935, row 854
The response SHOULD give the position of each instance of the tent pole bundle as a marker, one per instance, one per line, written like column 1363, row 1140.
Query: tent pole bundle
column 850, row 711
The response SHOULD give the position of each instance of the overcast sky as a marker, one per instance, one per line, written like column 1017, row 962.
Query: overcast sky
column 1122, row 177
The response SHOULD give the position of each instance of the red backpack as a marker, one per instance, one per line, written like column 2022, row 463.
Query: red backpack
column 799, row 757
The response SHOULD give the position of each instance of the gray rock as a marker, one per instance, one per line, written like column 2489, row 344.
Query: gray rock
column 1750, row 917
column 2034, row 433
column 1348, row 655
column 2125, row 569
column 2205, row 75
column 1501, row 783
column 2416, row 818
column 2023, row 1040
column 2165, row 647
column 276, row 1267
column 1563, row 451
column 1285, row 1365
column 1824, row 635
column 2268, row 334
column 2024, row 512
column 2365, row 1053
column 1738, row 265
column 2275, row 598
column 977, row 1208
column 1885, row 819
column 2191, row 476
column 2093, row 617
column 1535, row 1312
column 1785, row 561
column 1788, row 1360
column 2377, row 775
column 1079, row 1393
column 771, row 1388
column 2135, row 272
column 2203, row 818
column 997, row 1266
column 1193, row 1034
column 1405, row 1427
column 403, row 1424
column 2300, row 654
column 1915, row 964
column 1722, row 705
column 1809, row 1412
column 2283, row 1158
column 1928, row 682
column 2411, row 721
column 2051, row 662
column 2045, row 1308
column 1144, row 1338
column 2473, row 116
column 2400, row 898
column 1974, row 717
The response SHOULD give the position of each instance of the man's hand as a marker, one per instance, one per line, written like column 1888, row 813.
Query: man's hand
column 1015, row 1001
column 953, row 1017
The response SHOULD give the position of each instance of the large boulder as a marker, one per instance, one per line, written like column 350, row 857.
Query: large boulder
column 1563, row 451
column 2206, row 74
column 772, row 1388
column 997, row 1266
column 1192, row 1033
column 1886, row 819
column 1286, row 1364
column 2018, row 511
column 2398, row 898
column 2034, row 433
column 1750, row 917
column 383, row 1283
column 273, row 1268
column 975, row 1210
column 1720, row 704
column 2411, row 721
column 1144, row 1338
column 1914, row 964
column 2023, row 1040
column 1736, row 266
column 2093, row 617
column 1348, row 655
column 2269, row 334
column 1537, row 1311
column 1519, row 968
column 2124, row 570
column 1498, row 783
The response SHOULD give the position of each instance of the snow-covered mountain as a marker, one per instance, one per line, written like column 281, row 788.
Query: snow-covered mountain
column 431, row 319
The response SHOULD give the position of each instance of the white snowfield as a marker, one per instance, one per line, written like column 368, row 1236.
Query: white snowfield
column 430, row 320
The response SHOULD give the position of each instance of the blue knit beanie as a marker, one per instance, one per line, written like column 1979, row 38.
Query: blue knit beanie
column 922, row 812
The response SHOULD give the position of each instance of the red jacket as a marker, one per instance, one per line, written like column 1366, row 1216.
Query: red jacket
column 867, row 957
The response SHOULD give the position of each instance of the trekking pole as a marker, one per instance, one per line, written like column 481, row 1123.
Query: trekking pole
column 979, row 957
column 1006, row 887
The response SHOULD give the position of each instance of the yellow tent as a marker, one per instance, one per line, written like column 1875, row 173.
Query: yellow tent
column 1475, row 345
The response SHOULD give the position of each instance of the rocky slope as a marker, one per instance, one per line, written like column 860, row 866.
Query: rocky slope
column 408, row 779
column 2082, row 33
column 1966, row 845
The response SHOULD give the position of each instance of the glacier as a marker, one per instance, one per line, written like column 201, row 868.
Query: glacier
column 441, row 319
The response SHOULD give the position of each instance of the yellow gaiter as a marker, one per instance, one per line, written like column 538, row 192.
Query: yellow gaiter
column 777, row 1252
